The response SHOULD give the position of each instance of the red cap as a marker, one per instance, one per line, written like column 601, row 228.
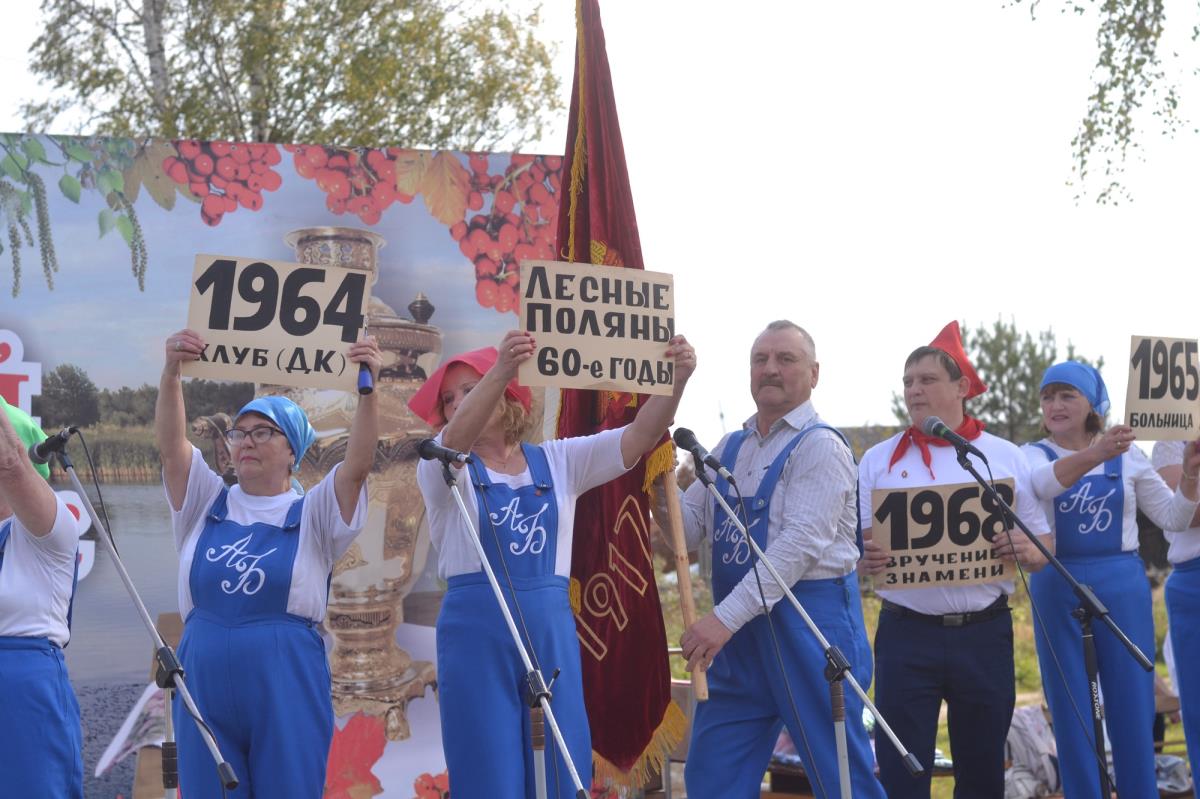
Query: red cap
column 949, row 341
column 427, row 402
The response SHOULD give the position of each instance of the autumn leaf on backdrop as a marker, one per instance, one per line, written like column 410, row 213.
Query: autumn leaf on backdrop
column 354, row 750
column 444, row 186
column 147, row 170
column 428, row 786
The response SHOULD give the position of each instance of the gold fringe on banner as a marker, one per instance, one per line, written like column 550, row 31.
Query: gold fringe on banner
column 662, row 743
column 661, row 461
column 575, row 594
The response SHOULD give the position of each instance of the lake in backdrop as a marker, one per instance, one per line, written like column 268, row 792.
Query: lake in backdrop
column 109, row 643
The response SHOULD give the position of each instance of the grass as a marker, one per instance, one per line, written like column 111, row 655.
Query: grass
column 121, row 454
column 1028, row 677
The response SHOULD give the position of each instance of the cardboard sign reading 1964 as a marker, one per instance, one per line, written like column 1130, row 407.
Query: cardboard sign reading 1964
column 940, row 535
column 1163, row 398
column 276, row 322
column 598, row 327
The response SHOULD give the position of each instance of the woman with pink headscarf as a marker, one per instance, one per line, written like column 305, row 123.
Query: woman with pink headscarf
column 523, row 498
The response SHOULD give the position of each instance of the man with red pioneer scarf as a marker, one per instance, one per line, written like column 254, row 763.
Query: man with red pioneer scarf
column 945, row 641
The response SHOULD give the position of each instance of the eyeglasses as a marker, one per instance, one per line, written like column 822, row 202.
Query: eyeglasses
column 261, row 434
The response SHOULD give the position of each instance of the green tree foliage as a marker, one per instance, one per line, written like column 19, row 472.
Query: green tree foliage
column 1011, row 364
column 92, row 164
column 206, row 397
column 126, row 407
column 431, row 73
column 1129, row 78
column 69, row 397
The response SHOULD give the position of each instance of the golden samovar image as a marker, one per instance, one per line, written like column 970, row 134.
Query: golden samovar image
column 370, row 672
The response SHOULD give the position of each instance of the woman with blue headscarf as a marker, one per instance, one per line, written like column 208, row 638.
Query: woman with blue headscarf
column 41, row 746
column 254, row 567
column 1092, row 483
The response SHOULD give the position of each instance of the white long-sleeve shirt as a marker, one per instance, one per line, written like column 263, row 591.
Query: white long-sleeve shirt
column 811, row 523
column 1143, row 489
column 1182, row 538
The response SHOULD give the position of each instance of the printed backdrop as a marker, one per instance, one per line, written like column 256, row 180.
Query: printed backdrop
column 97, row 253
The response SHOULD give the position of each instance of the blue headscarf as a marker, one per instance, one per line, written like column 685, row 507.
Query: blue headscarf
column 289, row 418
column 1082, row 377
column 27, row 430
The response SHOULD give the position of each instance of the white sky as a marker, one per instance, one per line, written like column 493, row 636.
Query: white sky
column 871, row 170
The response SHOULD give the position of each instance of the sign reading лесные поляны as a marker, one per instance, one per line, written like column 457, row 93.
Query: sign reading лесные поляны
column 598, row 327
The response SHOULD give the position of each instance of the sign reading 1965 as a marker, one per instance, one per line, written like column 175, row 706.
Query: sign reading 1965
column 276, row 322
column 1163, row 397
column 940, row 535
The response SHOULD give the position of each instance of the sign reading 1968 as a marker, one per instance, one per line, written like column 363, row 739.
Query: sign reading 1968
column 940, row 535
column 276, row 322
column 1163, row 398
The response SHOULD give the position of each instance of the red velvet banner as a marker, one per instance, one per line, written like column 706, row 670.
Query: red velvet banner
column 626, row 678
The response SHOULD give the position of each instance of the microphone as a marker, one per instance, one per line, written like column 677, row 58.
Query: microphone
column 40, row 453
column 430, row 450
column 366, row 383
column 933, row 426
column 685, row 439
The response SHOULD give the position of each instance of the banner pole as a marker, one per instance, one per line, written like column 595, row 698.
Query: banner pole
column 687, row 602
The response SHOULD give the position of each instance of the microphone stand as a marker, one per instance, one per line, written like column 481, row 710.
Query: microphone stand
column 536, row 692
column 1090, row 607
column 170, row 671
column 170, row 752
column 837, row 667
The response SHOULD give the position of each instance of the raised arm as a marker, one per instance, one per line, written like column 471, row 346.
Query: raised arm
column 473, row 413
column 364, row 434
column 21, row 487
column 1185, row 476
column 170, row 418
column 657, row 414
column 1069, row 469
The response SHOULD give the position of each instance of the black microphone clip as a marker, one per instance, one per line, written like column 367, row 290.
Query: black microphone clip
column 686, row 440
column 430, row 450
column 40, row 453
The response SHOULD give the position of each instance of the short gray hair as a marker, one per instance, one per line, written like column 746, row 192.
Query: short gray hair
column 787, row 324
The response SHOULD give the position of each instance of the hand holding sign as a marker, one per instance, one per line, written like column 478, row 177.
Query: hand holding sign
column 365, row 352
column 679, row 350
column 875, row 558
column 183, row 346
column 515, row 348
column 1014, row 546
column 1189, row 479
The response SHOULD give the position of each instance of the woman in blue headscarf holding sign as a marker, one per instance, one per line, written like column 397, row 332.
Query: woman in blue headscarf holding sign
column 1092, row 482
column 255, row 561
